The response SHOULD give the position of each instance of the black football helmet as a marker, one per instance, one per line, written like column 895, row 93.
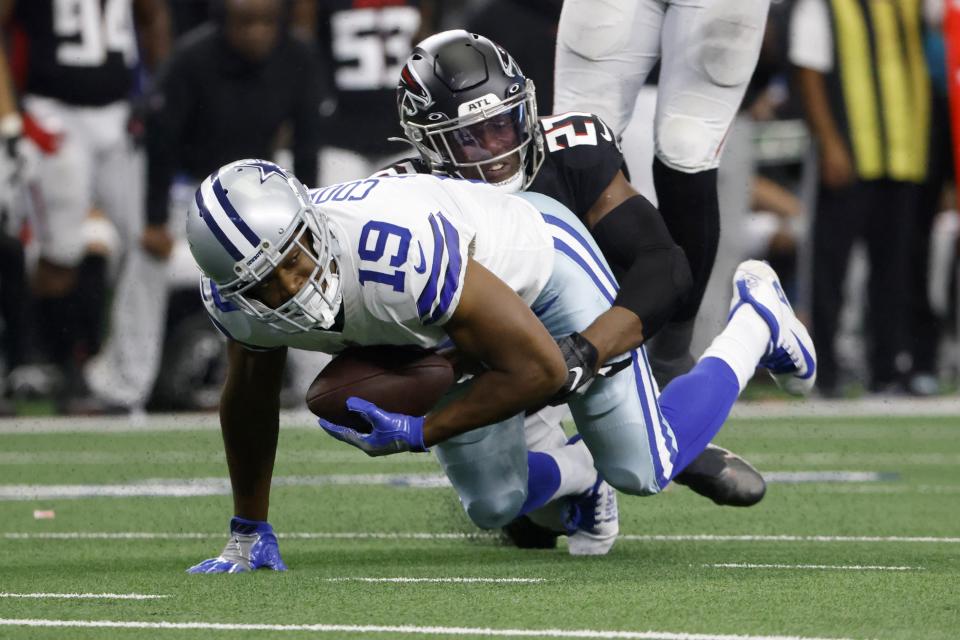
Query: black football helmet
column 469, row 110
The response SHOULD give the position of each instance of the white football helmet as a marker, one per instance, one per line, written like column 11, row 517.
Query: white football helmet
column 244, row 220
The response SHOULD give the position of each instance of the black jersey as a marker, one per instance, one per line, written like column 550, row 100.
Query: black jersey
column 79, row 52
column 581, row 159
column 367, row 42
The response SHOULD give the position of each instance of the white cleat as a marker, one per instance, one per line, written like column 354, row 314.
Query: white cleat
column 791, row 357
column 596, row 521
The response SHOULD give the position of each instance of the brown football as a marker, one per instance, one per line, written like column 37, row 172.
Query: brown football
column 407, row 380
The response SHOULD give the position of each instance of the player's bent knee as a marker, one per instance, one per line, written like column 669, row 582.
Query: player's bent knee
column 629, row 479
column 686, row 143
column 495, row 511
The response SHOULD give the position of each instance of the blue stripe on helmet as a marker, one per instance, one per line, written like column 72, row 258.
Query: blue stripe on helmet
column 216, row 230
column 429, row 293
column 219, row 302
column 224, row 201
column 452, row 279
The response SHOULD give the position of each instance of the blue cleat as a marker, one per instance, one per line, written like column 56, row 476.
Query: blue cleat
column 791, row 357
column 252, row 545
column 594, row 521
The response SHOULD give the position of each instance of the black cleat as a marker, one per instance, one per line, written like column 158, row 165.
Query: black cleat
column 724, row 477
column 524, row 533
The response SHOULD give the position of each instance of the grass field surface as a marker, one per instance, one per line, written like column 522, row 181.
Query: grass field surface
column 858, row 537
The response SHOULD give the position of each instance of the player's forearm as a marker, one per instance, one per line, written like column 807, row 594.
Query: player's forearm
column 493, row 396
column 653, row 272
column 250, row 424
column 614, row 332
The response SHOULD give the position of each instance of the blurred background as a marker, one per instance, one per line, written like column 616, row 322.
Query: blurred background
column 112, row 111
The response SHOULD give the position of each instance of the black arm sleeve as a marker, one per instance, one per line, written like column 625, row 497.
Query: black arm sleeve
column 306, row 118
column 653, row 272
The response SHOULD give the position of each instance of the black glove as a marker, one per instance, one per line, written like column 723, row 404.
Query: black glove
column 581, row 359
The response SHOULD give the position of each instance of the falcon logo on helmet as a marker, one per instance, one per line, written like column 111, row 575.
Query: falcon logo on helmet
column 415, row 96
column 469, row 111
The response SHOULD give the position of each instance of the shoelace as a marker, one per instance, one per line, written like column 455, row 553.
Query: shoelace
column 238, row 547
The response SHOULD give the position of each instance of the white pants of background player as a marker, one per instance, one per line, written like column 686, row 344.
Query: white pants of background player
column 97, row 166
column 707, row 51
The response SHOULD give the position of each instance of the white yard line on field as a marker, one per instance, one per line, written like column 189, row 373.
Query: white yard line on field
column 375, row 535
column 835, row 567
column 894, row 459
column 302, row 419
column 875, row 406
column 211, row 486
column 399, row 629
column 886, row 488
column 84, row 596
column 194, row 487
column 442, row 580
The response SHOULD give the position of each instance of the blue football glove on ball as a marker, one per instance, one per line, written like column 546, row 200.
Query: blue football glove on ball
column 391, row 432
column 252, row 545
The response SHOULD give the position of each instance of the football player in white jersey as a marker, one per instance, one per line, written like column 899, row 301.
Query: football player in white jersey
column 427, row 261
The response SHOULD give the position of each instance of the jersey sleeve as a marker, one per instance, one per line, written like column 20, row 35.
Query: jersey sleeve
column 586, row 153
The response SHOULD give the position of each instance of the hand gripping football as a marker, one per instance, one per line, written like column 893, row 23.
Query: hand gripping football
column 407, row 380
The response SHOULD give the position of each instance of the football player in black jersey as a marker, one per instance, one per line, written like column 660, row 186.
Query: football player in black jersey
column 80, row 63
column 469, row 111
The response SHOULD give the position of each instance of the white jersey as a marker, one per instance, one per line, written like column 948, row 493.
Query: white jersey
column 402, row 246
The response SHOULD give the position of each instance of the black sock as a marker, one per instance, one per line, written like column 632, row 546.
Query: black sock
column 691, row 210
column 91, row 303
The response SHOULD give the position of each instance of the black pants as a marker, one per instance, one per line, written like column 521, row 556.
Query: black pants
column 13, row 300
column 882, row 213
column 924, row 332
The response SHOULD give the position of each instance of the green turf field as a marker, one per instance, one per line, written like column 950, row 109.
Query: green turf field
column 378, row 548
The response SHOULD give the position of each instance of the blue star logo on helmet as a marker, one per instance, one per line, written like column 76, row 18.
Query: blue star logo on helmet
column 267, row 169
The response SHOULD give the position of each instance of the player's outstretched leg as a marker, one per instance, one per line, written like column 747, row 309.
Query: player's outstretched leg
column 762, row 330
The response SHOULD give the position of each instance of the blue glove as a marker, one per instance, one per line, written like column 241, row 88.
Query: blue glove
column 252, row 545
column 392, row 432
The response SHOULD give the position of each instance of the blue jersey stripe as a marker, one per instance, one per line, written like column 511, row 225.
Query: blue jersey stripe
column 451, row 281
column 601, row 264
column 216, row 230
column 564, row 248
column 224, row 201
column 429, row 293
